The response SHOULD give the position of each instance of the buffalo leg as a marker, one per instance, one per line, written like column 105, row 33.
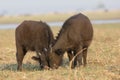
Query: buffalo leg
column 79, row 59
column 79, row 56
column 71, row 53
column 85, row 57
column 19, row 56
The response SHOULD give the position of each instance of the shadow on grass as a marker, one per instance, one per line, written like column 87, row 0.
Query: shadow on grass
column 13, row 67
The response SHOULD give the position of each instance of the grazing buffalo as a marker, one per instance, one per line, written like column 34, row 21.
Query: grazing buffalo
column 34, row 36
column 75, row 35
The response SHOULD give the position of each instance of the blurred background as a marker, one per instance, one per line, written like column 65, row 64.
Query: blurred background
column 15, row 11
column 16, row 7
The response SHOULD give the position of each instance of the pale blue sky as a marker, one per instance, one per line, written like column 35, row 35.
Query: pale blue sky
column 44, row 6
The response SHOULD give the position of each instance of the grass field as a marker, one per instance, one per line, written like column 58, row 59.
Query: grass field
column 103, row 58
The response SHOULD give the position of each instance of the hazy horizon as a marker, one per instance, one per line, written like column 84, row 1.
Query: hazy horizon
column 12, row 7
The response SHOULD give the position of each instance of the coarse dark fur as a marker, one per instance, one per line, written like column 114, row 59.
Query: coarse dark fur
column 75, row 35
column 34, row 36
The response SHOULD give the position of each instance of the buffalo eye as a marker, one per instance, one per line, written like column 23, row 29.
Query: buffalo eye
column 59, row 52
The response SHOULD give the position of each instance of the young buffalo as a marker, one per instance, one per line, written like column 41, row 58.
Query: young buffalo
column 34, row 36
column 75, row 35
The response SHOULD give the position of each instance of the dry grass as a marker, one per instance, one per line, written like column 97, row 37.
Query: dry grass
column 103, row 59
column 53, row 17
column 113, row 14
column 44, row 17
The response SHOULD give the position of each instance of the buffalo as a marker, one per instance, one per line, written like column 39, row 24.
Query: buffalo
column 75, row 35
column 33, row 36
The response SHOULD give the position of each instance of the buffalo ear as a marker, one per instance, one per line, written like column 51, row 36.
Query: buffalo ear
column 59, row 52
column 35, row 58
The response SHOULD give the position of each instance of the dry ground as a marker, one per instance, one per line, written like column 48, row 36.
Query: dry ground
column 103, row 58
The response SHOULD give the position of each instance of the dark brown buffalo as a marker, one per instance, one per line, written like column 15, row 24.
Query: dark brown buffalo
column 75, row 35
column 34, row 36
